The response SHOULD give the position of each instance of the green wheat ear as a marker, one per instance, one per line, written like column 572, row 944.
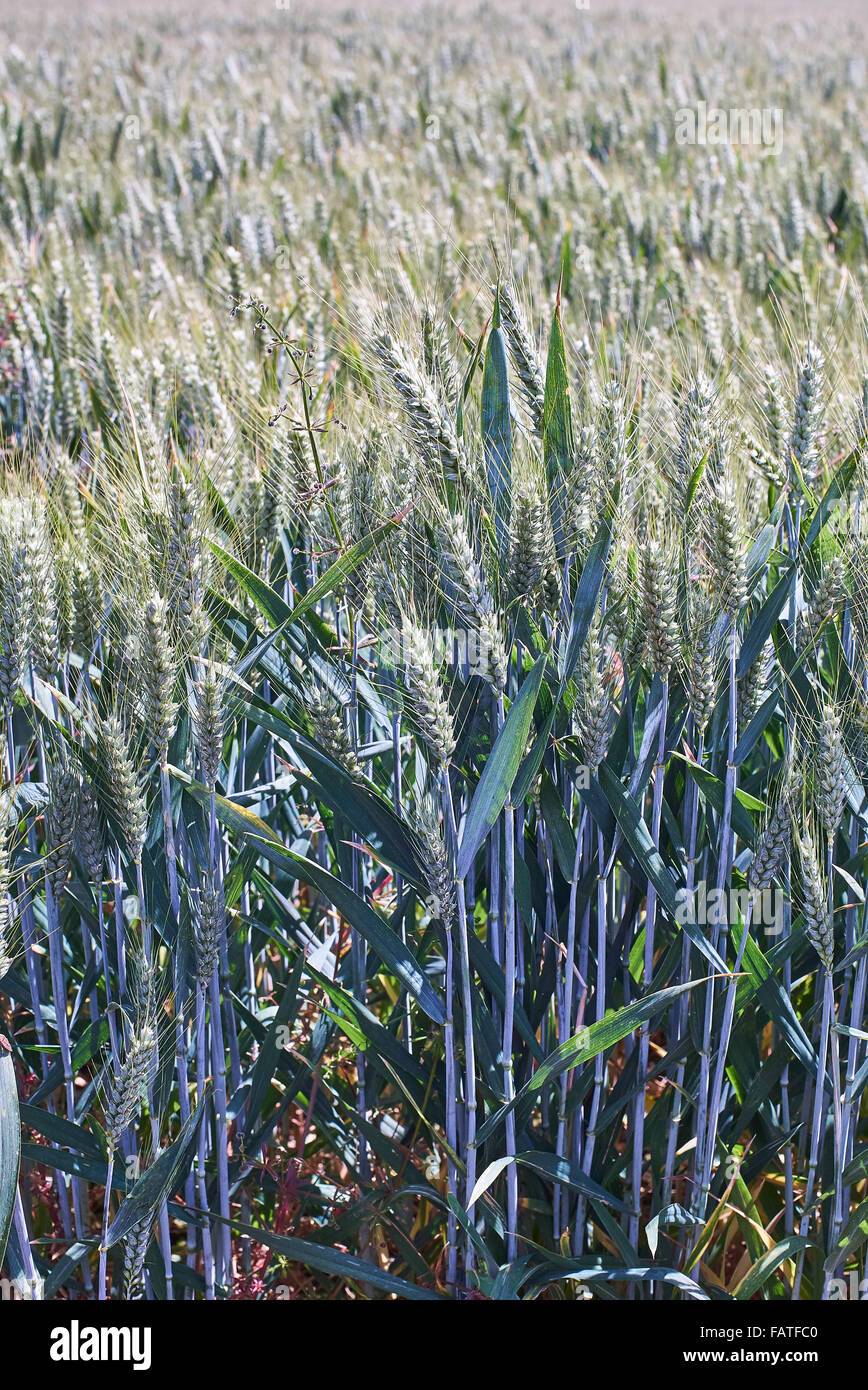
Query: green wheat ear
column 818, row 924
column 209, row 927
column 158, row 674
column 209, row 719
column 831, row 781
column 658, row 606
column 594, row 711
column 121, row 784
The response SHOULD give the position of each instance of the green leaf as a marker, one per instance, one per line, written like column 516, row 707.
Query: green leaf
column 582, row 1048
column 693, row 485
column 557, row 426
column 497, row 428
column 587, row 593
column 559, row 1171
column 230, row 814
column 761, row 549
column 10, row 1143
column 756, row 728
column 834, row 492
column 760, row 628
column 471, row 1232
column 162, row 1179
column 89, row 1045
column 857, row 1168
column 714, row 792
column 762, row 1271
column 269, row 1050
column 547, row 1165
column 589, row 1270
column 774, row 998
column 358, row 803
column 331, row 1261
column 854, row 1234
column 66, row 1266
column 558, row 826
column 60, row 1131
column 378, row 934
column 269, row 602
column 533, row 762
column 673, row 1215
column 384, row 1046
column 500, row 769
column 638, row 837
column 475, row 356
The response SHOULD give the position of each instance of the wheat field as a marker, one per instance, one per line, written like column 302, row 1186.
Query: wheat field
column 433, row 654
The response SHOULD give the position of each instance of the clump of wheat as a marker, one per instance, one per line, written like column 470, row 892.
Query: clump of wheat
column 123, row 786
column 701, row 659
column 830, row 775
column 773, row 845
column 209, row 717
column 61, row 816
column 330, row 730
column 825, row 601
column 158, row 674
column 127, row 1083
column 524, row 355
column 209, row 924
column 440, row 880
column 135, row 1248
column 659, row 611
column 818, row 924
column 430, row 704
column 807, row 415
column 593, row 714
